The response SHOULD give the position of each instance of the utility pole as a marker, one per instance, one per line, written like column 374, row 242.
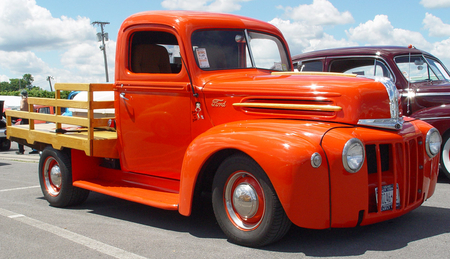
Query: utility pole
column 102, row 36
column 49, row 79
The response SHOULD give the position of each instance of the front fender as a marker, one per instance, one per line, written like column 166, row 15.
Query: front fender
column 437, row 116
column 283, row 149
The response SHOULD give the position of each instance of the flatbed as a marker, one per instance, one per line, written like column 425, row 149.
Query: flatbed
column 89, row 134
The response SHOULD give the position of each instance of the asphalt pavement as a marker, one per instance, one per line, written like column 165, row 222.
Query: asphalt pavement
column 108, row 227
column 26, row 156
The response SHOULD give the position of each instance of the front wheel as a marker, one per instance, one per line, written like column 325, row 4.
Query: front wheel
column 246, row 205
column 445, row 155
column 55, row 178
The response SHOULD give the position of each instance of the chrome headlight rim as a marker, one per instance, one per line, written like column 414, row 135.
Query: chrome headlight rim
column 352, row 143
column 432, row 147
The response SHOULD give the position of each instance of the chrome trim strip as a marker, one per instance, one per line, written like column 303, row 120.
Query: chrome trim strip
column 427, row 94
column 286, row 106
column 432, row 118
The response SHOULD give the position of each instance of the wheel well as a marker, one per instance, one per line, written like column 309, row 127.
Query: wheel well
column 208, row 171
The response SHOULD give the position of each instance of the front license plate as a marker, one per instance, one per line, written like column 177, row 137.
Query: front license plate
column 387, row 197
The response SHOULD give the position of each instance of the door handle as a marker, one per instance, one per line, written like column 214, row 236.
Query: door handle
column 122, row 95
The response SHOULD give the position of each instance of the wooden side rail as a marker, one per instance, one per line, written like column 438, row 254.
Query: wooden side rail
column 88, row 139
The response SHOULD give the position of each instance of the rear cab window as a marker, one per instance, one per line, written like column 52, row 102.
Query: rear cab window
column 154, row 52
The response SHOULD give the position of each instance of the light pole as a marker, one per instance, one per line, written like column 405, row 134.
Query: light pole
column 49, row 79
column 102, row 36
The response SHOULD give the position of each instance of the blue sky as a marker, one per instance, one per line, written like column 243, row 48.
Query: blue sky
column 55, row 38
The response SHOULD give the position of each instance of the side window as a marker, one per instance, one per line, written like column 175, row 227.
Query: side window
column 310, row 66
column 369, row 67
column 154, row 52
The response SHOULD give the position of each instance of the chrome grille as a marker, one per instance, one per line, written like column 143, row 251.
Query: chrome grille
column 395, row 164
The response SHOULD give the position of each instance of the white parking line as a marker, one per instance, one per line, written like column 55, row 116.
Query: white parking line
column 20, row 188
column 69, row 235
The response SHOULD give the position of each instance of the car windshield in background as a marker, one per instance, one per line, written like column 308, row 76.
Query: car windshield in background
column 235, row 49
column 419, row 68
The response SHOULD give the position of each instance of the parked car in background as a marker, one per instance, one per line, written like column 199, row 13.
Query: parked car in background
column 421, row 79
column 5, row 144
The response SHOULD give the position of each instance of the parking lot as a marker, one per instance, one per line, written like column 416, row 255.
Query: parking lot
column 106, row 227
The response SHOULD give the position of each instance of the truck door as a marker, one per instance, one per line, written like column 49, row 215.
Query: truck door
column 153, row 116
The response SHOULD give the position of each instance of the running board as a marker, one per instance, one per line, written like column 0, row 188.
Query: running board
column 154, row 198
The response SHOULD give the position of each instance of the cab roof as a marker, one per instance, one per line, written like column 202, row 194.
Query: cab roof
column 193, row 20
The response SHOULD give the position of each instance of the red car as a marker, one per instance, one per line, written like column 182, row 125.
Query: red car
column 421, row 78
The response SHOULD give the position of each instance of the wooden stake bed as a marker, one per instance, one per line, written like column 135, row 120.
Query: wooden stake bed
column 89, row 134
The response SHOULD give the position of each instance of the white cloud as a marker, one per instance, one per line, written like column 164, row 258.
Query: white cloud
column 204, row 5
column 435, row 26
column 380, row 31
column 19, row 62
column 320, row 12
column 303, row 37
column 433, row 4
column 4, row 78
column 442, row 51
column 87, row 60
column 29, row 32
column 27, row 26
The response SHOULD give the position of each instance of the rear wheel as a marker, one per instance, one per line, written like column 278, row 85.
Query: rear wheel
column 445, row 155
column 246, row 205
column 55, row 177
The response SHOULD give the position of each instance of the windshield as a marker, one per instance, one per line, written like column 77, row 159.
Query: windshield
column 235, row 49
column 417, row 68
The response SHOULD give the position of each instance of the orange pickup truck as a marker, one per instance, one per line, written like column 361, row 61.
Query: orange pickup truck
column 208, row 103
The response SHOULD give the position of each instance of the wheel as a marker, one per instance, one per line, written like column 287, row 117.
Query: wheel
column 445, row 155
column 5, row 144
column 246, row 205
column 55, row 178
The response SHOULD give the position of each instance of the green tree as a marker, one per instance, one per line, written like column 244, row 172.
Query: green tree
column 28, row 80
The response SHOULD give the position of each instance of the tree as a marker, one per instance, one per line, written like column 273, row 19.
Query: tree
column 28, row 80
column 15, row 84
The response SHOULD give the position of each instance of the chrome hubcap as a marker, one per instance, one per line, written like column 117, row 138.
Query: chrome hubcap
column 55, row 175
column 245, row 200
column 52, row 176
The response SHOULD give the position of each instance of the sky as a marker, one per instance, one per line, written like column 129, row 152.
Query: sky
column 54, row 38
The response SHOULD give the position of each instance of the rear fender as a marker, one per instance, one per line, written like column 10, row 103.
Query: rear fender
column 283, row 149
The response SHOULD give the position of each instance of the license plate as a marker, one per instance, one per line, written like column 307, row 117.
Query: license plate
column 387, row 197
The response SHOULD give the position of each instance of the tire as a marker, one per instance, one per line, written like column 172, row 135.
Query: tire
column 5, row 144
column 445, row 155
column 256, row 217
column 55, row 178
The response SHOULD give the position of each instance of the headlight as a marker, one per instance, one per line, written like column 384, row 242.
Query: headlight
column 433, row 142
column 353, row 155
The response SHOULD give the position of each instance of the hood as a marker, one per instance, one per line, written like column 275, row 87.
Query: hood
column 309, row 96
